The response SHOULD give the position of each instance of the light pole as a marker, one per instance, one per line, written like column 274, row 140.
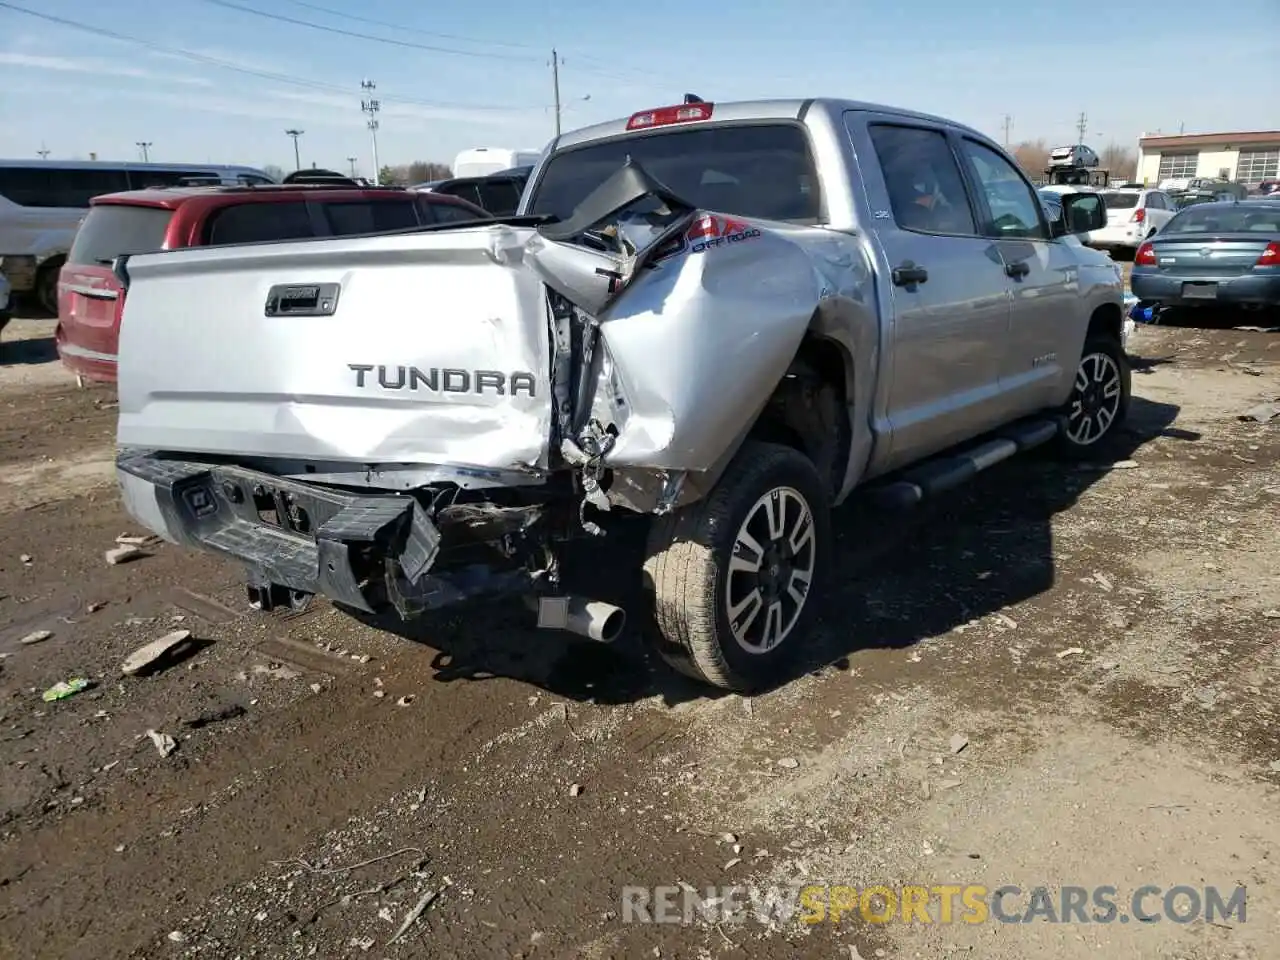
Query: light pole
column 145, row 147
column 44, row 152
column 371, row 106
column 352, row 161
column 297, row 161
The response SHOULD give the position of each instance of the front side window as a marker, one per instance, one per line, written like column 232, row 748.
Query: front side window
column 926, row 191
column 1014, row 210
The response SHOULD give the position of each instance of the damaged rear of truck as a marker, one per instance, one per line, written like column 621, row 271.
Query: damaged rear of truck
column 415, row 419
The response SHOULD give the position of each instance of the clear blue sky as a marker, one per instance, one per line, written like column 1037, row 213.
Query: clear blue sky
column 485, row 79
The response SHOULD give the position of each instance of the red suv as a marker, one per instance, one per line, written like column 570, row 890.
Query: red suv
column 90, row 301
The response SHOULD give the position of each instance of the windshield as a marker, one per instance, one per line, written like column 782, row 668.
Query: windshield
column 761, row 170
column 1220, row 218
column 111, row 230
column 1116, row 200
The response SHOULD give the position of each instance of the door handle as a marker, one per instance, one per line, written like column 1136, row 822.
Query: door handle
column 907, row 274
column 1019, row 269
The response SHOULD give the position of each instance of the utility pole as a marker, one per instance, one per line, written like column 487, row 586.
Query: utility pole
column 555, row 83
column 371, row 106
column 1082, row 125
column 145, row 147
column 297, row 160
column 43, row 151
column 352, row 161
column 1008, row 122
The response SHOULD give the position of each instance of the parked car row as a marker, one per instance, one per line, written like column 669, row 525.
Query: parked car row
column 43, row 202
column 316, row 204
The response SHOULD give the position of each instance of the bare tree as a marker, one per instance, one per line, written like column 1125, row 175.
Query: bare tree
column 1120, row 161
column 274, row 172
column 1032, row 157
column 423, row 171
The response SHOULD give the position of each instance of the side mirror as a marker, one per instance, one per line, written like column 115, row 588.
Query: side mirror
column 1082, row 213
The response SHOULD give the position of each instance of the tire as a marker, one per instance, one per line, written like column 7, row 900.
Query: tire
column 690, row 573
column 4, row 321
column 46, row 290
column 1099, row 401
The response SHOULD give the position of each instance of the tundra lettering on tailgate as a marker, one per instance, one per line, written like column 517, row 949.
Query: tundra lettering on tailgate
column 445, row 380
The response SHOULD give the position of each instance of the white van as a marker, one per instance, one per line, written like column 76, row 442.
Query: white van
column 480, row 161
column 43, row 201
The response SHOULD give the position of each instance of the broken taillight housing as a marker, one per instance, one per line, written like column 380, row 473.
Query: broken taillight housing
column 666, row 116
column 1146, row 255
column 1139, row 215
column 1270, row 256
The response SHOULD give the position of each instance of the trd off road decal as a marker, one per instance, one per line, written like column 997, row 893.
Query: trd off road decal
column 709, row 232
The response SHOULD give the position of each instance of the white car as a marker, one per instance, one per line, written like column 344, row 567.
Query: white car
column 1132, row 217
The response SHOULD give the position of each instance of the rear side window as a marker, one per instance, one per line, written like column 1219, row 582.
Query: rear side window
column 1120, row 200
column 142, row 179
column 113, row 230
column 463, row 191
column 1213, row 218
column 254, row 222
column 925, row 187
column 448, row 213
column 499, row 197
column 55, row 187
column 370, row 216
column 761, row 170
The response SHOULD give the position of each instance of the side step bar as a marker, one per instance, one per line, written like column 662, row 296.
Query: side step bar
column 951, row 470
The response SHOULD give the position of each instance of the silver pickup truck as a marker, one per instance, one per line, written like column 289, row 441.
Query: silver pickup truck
column 725, row 316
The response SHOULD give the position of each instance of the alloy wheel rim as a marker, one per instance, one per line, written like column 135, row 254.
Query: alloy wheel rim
column 1095, row 400
column 770, row 570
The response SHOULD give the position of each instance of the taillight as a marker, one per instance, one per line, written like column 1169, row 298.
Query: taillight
column 1270, row 256
column 665, row 116
column 1146, row 255
column 1139, row 215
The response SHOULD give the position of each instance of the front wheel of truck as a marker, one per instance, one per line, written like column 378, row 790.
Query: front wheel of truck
column 1099, row 401
column 733, row 576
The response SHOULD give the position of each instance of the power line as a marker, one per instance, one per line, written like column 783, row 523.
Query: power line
column 636, row 73
column 369, row 36
column 400, row 26
column 248, row 71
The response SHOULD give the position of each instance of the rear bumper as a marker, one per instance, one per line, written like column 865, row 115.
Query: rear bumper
column 333, row 540
column 1252, row 288
column 1118, row 238
column 83, row 361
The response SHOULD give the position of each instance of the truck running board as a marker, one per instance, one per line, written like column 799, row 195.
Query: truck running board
column 950, row 470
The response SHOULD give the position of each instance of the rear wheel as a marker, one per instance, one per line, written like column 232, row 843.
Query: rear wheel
column 1099, row 401
column 733, row 575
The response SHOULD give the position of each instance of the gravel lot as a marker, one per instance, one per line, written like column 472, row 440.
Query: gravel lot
column 1103, row 643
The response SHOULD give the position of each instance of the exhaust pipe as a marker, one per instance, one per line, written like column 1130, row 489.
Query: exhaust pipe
column 593, row 619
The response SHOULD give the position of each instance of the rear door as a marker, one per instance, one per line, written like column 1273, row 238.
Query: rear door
column 950, row 292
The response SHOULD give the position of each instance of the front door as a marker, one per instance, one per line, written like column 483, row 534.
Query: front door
column 949, row 290
column 1045, row 334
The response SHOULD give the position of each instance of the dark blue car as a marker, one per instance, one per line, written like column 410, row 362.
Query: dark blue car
column 1226, row 253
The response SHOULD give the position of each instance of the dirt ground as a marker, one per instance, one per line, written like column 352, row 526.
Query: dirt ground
column 1056, row 676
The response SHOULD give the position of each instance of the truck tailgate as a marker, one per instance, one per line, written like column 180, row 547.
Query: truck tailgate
column 425, row 348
